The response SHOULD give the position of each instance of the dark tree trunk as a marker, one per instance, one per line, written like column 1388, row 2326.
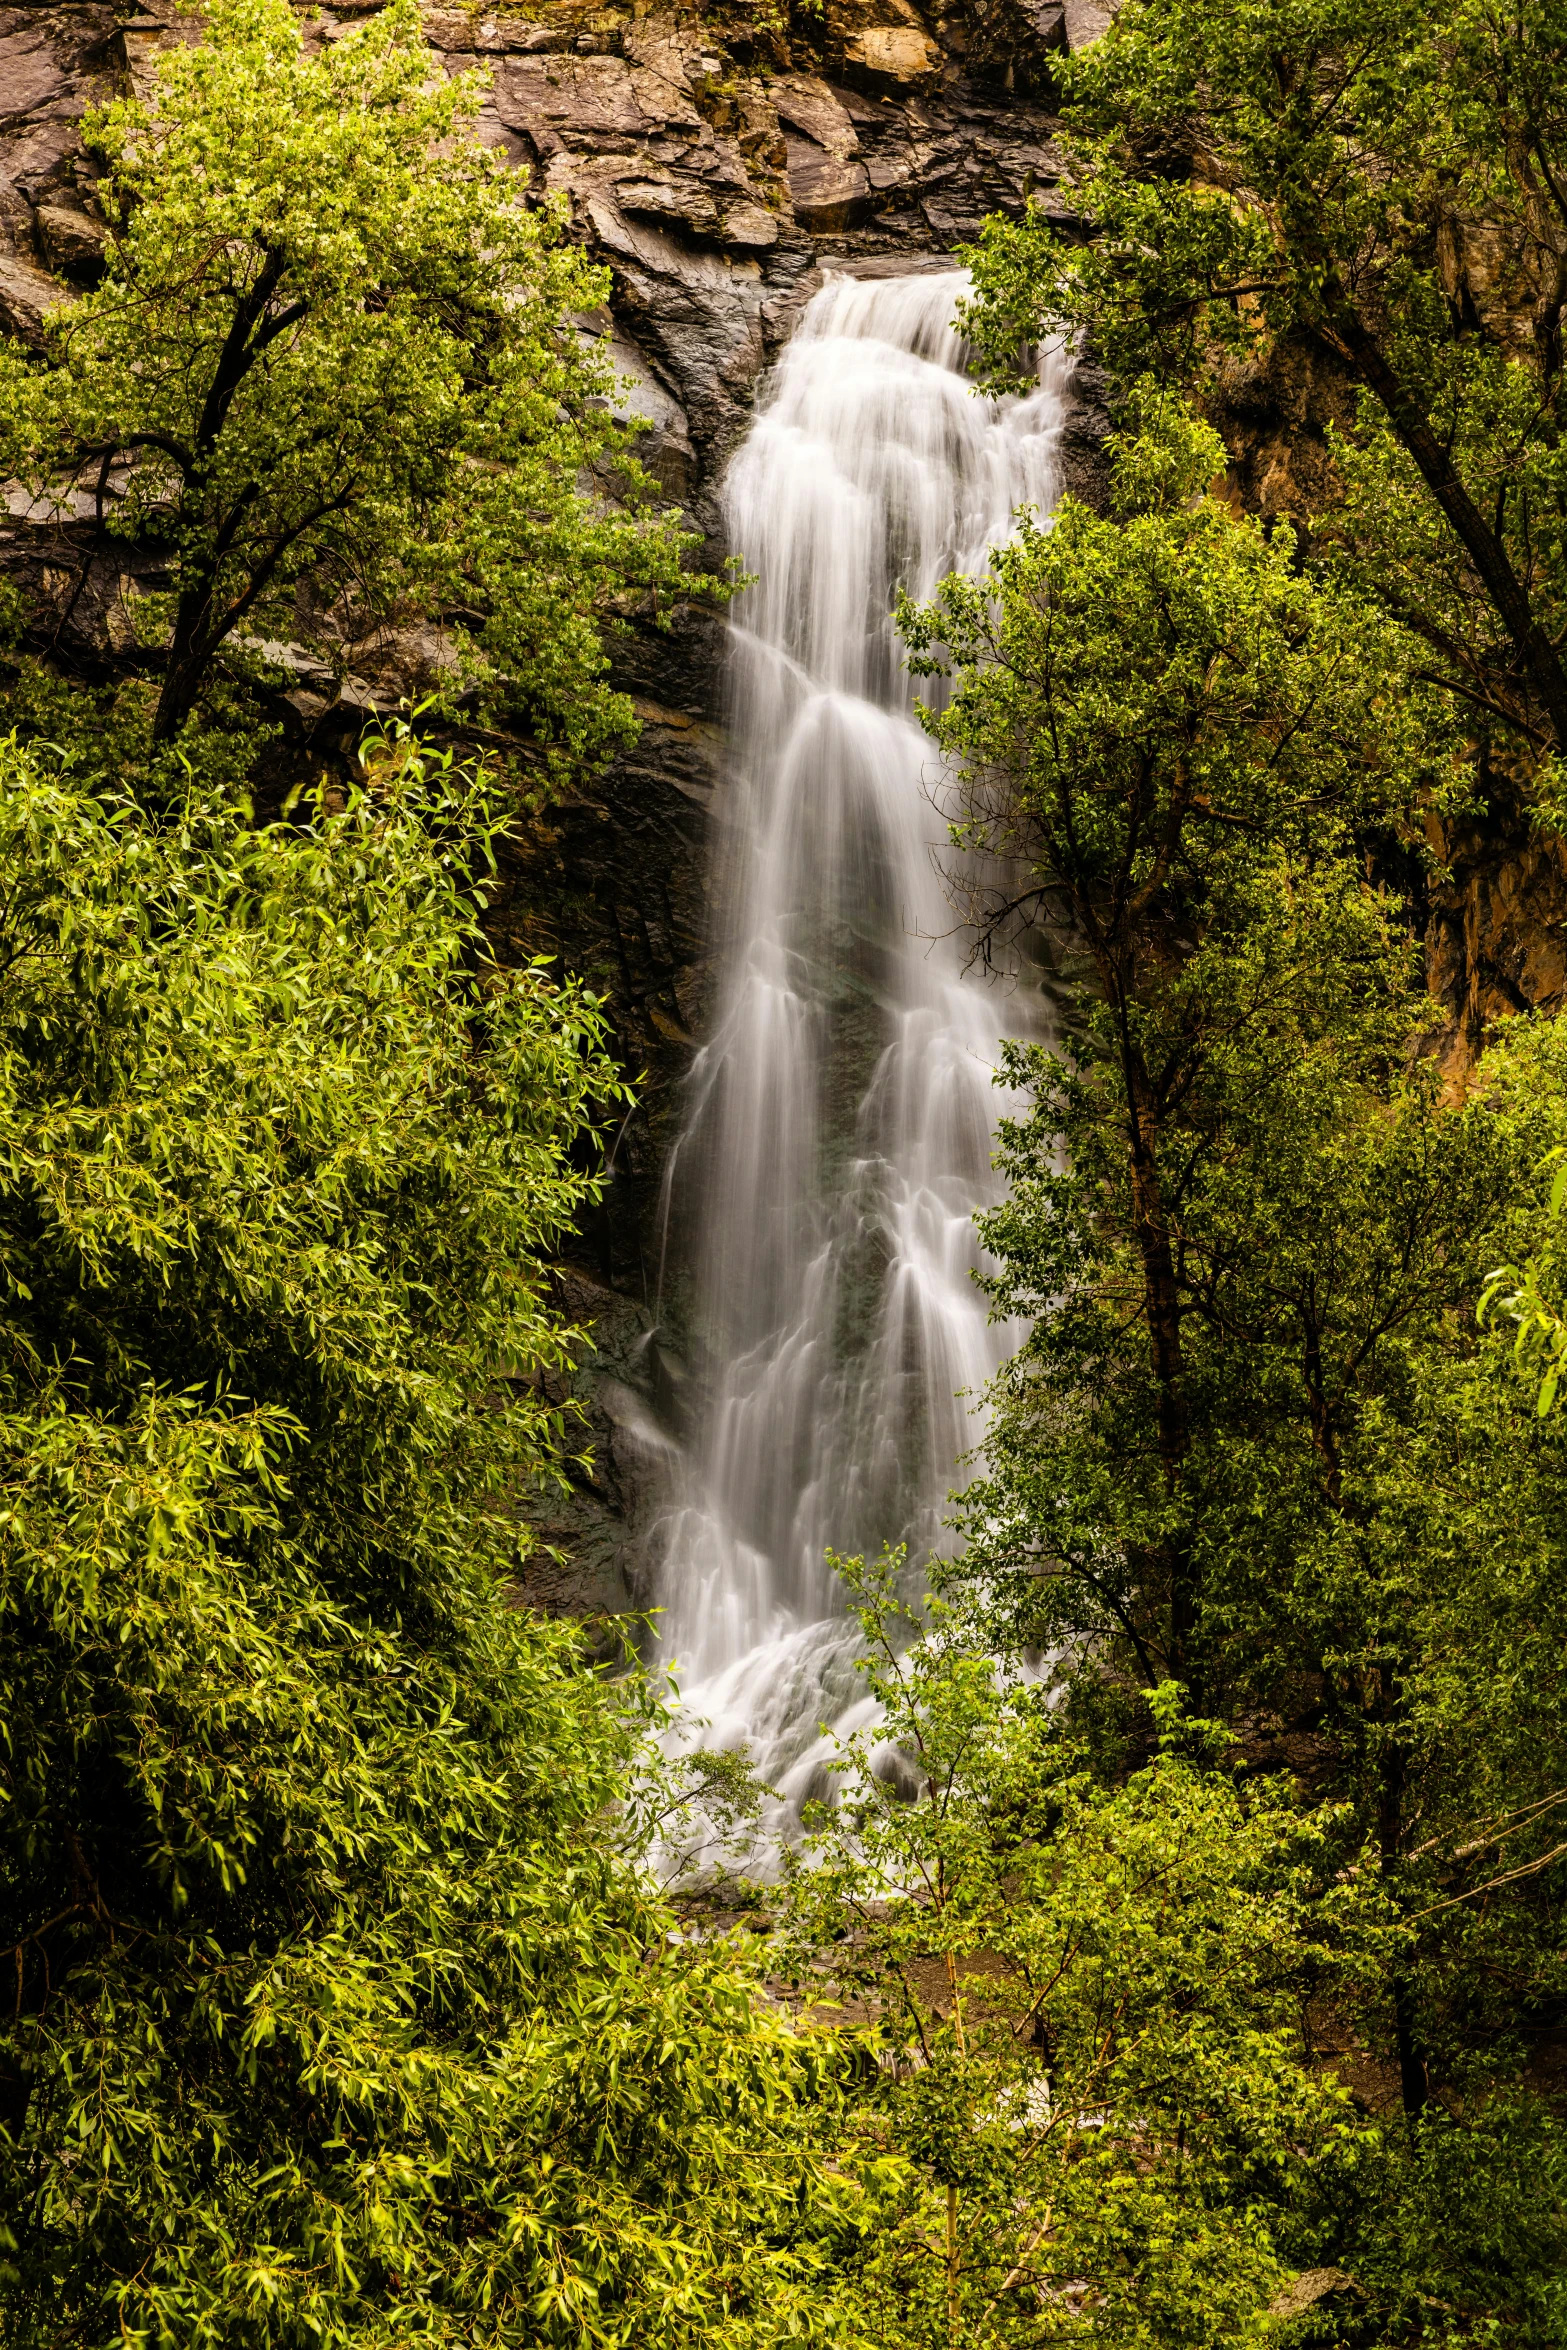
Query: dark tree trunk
column 1162, row 1305
column 1346, row 332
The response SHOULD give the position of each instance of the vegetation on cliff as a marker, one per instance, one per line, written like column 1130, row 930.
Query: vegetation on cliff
column 1384, row 185
column 334, row 376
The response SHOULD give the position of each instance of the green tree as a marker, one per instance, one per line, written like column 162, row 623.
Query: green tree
column 1093, row 2085
column 335, row 2011
column 1152, row 709
column 1385, row 186
column 334, row 376
column 1251, row 1442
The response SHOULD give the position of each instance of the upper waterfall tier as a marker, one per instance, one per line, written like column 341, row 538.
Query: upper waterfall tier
column 839, row 1130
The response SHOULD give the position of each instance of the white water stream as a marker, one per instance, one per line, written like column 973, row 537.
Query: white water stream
column 840, row 1120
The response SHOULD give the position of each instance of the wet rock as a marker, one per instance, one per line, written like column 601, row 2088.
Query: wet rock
column 581, row 102
column 828, row 195
column 35, row 71
column 816, row 111
column 751, row 226
column 685, row 201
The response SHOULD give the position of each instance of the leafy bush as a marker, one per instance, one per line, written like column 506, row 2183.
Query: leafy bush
column 338, row 2012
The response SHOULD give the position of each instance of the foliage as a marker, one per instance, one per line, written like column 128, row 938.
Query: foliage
column 339, row 2015
column 1381, row 186
column 1529, row 1294
column 1251, row 1443
column 334, row 377
column 1090, row 2007
column 1152, row 701
column 1172, row 727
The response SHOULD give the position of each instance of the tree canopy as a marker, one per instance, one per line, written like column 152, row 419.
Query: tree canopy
column 1386, row 185
column 341, row 2013
column 334, row 377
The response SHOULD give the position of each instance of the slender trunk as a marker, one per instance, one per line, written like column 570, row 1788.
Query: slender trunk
column 188, row 665
column 954, row 2299
column 194, row 643
column 1161, row 1299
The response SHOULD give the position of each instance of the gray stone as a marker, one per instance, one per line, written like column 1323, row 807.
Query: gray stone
column 1087, row 21
column 828, row 194
column 665, row 447
column 812, row 107
column 684, row 201
column 26, row 296
column 33, row 75
column 751, row 226
column 1305, row 2291
column 71, row 238
column 517, row 36
column 658, row 51
column 580, row 101
column 16, row 222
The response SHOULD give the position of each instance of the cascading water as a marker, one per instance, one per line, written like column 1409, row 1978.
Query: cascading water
column 839, row 1133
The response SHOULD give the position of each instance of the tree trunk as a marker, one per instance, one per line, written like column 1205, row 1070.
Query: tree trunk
column 190, row 657
column 1161, row 1300
column 1346, row 332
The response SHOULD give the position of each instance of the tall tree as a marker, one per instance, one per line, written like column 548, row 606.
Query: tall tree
column 334, row 375
column 335, row 2010
column 1386, row 183
column 1248, row 1443
column 1151, row 707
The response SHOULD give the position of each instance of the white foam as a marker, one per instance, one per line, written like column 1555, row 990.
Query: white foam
column 839, row 1128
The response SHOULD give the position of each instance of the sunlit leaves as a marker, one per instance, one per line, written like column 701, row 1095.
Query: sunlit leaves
column 335, row 379
column 335, row 2011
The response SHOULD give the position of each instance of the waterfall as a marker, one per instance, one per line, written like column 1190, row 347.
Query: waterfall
column 838, row 1134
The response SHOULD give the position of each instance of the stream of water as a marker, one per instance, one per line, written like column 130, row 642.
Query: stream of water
column 839, row 1128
